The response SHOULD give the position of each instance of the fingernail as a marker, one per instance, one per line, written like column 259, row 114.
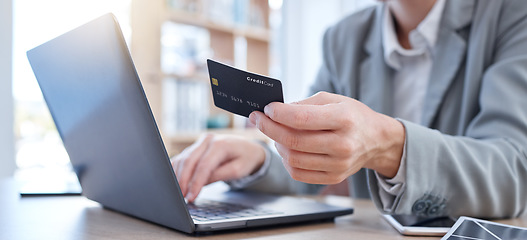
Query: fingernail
column 190, row 196
column 267, row 110
column 252, row 118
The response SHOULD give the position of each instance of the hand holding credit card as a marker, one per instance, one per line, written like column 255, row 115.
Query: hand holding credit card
column 242, row 92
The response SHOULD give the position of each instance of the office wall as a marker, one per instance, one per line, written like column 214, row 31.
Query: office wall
column 304, row 23
column 7, row 152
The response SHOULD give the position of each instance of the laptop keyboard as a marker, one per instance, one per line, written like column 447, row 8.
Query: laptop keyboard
column 206, row 210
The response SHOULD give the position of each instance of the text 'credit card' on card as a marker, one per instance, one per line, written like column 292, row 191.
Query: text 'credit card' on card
column 242, row 92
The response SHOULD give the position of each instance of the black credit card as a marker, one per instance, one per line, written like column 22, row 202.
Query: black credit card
column 242, row 92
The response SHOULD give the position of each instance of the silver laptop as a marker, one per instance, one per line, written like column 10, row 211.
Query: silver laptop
column 96, row 99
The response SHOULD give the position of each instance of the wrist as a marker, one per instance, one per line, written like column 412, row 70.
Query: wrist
column 388, row 158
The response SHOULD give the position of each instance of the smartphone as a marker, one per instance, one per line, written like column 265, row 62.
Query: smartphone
column 420, row 226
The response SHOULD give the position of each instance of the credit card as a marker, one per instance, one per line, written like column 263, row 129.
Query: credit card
column 242, row 92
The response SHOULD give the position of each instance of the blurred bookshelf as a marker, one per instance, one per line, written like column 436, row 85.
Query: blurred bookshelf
column 170, row 42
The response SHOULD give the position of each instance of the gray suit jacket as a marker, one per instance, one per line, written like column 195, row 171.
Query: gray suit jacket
column 468, row 156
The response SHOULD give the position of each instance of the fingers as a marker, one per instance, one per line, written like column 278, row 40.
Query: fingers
column 225, row 159
column 322, row 142
column 306, row 117
column 214, row 158
column 250, row 159
column 314, row 177
column 185, row 163
column 229, row 171
column 322, row 111
column 210, row 160
column 315, row 168
column 310, row 161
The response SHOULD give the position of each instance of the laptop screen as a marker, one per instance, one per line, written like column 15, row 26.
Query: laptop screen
column 94, row 94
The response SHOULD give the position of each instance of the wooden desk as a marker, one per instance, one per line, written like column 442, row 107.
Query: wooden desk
column 75, row 217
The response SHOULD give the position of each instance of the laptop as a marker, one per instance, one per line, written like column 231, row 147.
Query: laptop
column 97, row 102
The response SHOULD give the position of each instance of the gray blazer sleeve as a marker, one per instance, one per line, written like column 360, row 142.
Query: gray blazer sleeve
column 483, row 173
column 481, row 169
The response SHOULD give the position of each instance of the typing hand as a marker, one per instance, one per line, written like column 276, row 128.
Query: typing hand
column 215, row 158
